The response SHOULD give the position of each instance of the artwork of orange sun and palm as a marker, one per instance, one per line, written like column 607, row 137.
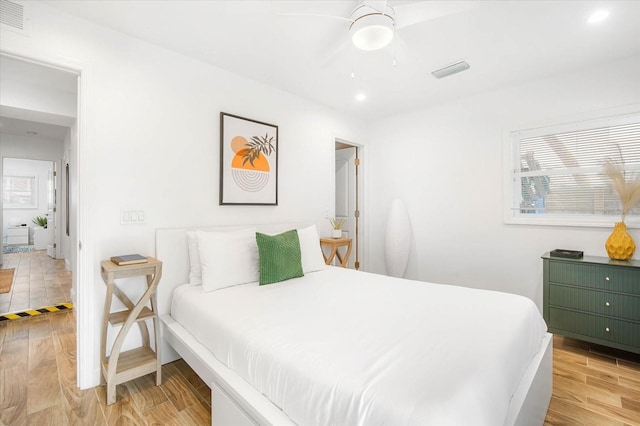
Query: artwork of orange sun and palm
column 250, row 166
column 249, row 158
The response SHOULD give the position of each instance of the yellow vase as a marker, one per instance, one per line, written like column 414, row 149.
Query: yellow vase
column 620, row 245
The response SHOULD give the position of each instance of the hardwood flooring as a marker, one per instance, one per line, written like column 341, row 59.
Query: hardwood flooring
column 39, row 281
column 38, row 383
column 593, row 385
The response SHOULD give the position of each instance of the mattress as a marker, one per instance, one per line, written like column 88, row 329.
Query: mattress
column 342, row 347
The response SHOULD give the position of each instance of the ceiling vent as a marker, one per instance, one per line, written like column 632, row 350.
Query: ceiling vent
column 451, row 69
column 13, row 16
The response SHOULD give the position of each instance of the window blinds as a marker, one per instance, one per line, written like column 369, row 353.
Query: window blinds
column 19, row 191
column 559, row 171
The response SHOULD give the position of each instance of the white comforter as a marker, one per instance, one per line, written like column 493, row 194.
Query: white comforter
column 340, row 347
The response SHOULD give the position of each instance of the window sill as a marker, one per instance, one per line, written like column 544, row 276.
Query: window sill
column 574, row 221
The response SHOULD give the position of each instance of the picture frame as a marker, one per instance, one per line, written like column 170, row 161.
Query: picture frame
column 248, row 161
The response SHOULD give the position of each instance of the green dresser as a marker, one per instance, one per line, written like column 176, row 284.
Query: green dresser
column 595, row 299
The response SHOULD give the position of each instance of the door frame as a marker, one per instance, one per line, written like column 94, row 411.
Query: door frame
column 360, row 250
column 81, row 247
column 55, row 164
column 54, row 179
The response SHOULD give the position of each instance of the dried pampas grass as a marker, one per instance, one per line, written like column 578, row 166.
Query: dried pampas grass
column 628, row 191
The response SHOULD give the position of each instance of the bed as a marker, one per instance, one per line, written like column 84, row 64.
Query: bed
column 338, row 346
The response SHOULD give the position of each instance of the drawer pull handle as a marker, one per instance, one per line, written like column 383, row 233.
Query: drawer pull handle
column 607, row 304
column 606, row 278
column 607, row 329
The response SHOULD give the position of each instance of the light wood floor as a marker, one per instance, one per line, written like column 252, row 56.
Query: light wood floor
column 39, row 281
column 38, row 383
column 593, row 385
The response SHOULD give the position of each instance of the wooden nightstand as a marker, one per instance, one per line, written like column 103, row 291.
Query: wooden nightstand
column 122, row 367
column 334, row 244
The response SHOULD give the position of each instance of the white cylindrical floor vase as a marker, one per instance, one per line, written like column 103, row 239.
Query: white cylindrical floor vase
column 397, row 240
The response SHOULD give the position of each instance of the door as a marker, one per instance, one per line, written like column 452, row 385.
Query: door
column 51, row 212
column 346, row 196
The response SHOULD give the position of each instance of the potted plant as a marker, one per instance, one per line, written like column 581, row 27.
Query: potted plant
column 336, row 224
column 620, row 245
column 40, row 221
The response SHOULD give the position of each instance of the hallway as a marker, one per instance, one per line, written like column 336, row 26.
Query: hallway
column 38, row 281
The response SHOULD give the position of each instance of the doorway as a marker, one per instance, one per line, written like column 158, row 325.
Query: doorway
column 348, row 190
column 38, row 134
column 29, row 205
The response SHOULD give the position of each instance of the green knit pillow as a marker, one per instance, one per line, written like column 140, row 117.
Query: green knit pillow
column 280, row 257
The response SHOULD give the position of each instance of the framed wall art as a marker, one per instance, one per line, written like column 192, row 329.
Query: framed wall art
column 248, row 161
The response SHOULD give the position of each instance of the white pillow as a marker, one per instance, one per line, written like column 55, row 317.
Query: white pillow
column 312, row 259
column 195, row 270
column 228, row 258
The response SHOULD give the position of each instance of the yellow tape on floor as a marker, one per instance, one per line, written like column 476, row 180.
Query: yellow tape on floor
column 33, row 312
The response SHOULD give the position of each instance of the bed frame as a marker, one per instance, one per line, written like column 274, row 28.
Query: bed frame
column 235, row 402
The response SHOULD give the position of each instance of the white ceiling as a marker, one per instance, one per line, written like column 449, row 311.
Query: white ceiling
column 506, row 42
column 14, row 126
column 29, row 123
column 26, row 73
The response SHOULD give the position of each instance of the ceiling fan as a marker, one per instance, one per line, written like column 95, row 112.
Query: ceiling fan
column 373, row 24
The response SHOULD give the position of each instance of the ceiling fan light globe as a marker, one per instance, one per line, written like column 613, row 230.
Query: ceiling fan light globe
column 372, row 32
column 373, row 37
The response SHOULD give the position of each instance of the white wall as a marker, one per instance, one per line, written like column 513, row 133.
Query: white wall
column 58, row 105
column 446, row 164
column 149, row 128
column 36, row 93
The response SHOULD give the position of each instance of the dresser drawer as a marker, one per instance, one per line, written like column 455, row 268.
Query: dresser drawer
column 17, row 240
column 21, row 231
column 613, row 330
column 603, row 277
column 594, row 301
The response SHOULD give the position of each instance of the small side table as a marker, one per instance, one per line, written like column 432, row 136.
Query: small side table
column 122, row 367
column 334, row 244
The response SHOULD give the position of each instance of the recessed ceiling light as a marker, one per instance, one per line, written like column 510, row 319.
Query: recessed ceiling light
column 361, row 97
column 598, row 16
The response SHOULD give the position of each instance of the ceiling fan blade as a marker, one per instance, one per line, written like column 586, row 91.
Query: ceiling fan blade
column 422, row 11
column 317, row 15
column 403, row 55
column 341, row 52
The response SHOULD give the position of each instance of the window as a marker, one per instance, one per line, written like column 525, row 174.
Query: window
column 556, row 174
column 19, row 192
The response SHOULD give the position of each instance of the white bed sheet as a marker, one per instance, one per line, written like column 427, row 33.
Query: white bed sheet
column 340, row 347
